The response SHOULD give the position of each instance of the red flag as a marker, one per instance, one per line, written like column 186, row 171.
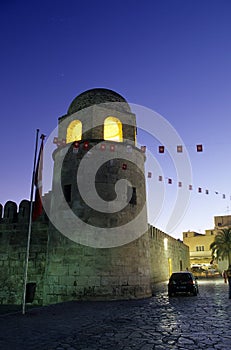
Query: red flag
column 86, row 145
column 75, row 147
column 37, row 208
column 161, row 149
column 149, row 174
column 55, row 140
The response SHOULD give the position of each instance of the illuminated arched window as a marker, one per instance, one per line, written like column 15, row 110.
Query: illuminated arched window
column 74, row 131
column 113, row 129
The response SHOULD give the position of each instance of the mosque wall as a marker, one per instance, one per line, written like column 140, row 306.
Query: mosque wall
column 64, row 270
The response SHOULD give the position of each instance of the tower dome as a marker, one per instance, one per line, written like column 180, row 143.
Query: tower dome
column 97, row 96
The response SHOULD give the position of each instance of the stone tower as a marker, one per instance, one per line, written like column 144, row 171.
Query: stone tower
column 98, row 243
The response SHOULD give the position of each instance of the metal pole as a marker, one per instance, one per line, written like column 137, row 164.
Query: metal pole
column 29, row 226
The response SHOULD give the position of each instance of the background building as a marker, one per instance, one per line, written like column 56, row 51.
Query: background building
column 199, row 245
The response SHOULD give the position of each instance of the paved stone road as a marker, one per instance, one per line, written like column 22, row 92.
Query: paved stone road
column 159, row 323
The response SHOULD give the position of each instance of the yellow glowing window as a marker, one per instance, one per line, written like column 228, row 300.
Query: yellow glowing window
column 113, row 129
column 74, row 131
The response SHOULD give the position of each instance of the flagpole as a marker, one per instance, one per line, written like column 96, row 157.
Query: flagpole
column 29, row 225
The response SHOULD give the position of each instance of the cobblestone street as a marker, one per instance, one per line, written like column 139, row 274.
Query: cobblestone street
column 182, row 322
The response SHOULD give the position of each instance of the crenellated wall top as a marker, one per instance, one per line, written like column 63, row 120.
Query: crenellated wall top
column 11, row 212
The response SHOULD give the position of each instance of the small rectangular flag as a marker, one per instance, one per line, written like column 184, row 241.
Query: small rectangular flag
column 161, row 149
column 223, row 196
column 160, row 178
column 149, row 174
column 199, row 148
column 206, row 191
column 180, row 184
column 190, row 187
column 170, row 181
column 199, row 189
column 86, row 145
column 179, row 149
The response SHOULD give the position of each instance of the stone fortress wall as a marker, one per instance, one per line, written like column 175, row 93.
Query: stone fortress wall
column 65, row 270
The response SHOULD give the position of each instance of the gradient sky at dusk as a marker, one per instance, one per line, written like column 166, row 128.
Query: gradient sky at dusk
column 171, row 56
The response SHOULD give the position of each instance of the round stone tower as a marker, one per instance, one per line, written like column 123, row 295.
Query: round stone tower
column 98, row 230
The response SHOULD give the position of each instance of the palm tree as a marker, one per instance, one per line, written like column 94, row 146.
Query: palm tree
column 221, row 247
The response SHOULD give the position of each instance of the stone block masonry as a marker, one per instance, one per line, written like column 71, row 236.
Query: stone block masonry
column 64, row 270
column 13, row 243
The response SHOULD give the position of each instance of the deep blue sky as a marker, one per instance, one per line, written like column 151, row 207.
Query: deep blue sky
column 173, row 57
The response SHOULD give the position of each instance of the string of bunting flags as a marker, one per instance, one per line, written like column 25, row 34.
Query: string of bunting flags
column 179, row 148
column 190, row 187
column 161, row 149
column 85, row 145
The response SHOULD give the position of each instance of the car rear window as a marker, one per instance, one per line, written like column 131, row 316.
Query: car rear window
column 181, row 277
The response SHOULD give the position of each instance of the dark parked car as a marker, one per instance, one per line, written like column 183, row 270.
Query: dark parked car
column 182, row 282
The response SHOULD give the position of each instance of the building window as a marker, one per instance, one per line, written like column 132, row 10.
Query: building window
column 113, row 129
column 212, row 233
column 200, row 248
column 219, row 224
column 131, row 195
column 74, row 131
column 67, row 193
column 186, row 235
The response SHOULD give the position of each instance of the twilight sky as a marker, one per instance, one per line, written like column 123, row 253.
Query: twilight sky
column 170, row 56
